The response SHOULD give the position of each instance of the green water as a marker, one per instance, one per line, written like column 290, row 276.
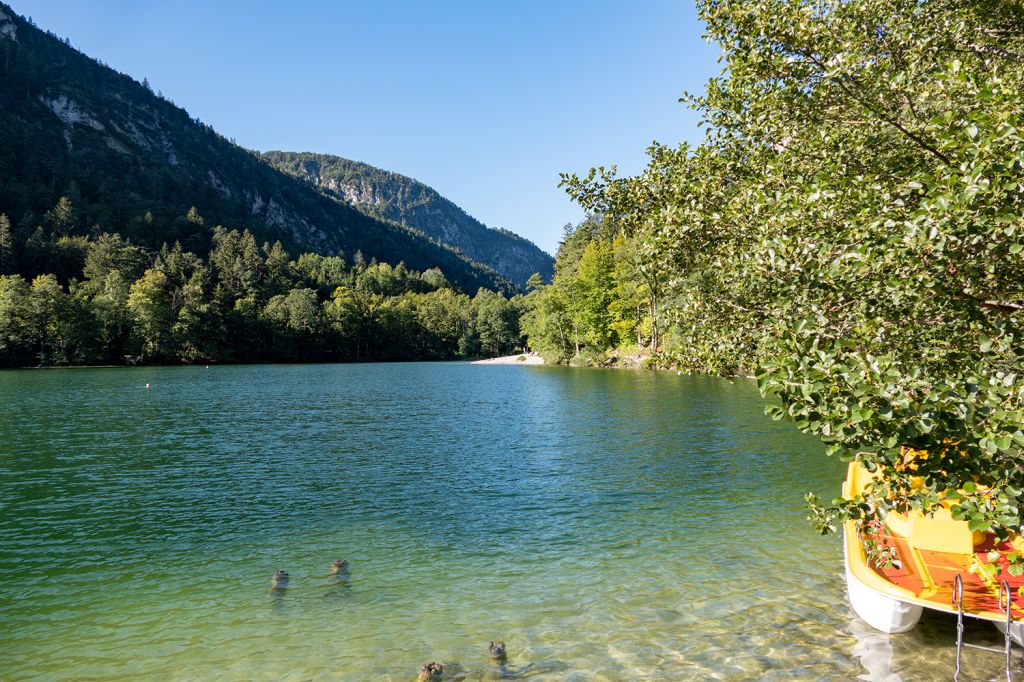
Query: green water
column 608, row 525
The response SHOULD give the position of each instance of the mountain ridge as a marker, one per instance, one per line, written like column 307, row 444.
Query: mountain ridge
column 404, row 200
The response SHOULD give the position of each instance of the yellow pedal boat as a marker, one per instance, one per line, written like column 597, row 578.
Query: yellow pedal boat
column 937, row 566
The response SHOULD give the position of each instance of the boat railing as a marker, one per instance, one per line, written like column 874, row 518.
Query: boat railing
column 958, row 604
column 1006, row 604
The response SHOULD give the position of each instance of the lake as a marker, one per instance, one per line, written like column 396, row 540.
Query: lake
column 607, row 525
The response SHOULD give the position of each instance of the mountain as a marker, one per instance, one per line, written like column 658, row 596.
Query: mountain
column 403, row 200
column 130, row 161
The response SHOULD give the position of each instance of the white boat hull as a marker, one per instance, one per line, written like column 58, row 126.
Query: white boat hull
column 878, row 610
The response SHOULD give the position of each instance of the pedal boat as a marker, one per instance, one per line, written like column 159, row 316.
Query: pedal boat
column 931, row 551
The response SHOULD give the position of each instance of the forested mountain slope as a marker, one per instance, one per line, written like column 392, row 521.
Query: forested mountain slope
column 131, row 162
column 399, row 198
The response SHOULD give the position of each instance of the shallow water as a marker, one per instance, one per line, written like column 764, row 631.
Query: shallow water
column 608, row 525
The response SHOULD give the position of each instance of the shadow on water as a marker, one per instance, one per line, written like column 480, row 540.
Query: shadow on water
column 281, row 600
column 337, row 587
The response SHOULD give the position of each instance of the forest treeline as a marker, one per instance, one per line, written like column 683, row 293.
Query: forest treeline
column 851, row 230
column 601, row 304
column 105, row 300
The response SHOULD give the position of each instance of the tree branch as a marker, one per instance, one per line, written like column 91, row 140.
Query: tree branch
column 917, row 139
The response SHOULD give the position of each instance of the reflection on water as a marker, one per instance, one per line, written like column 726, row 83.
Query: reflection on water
column 605, row 525
column 929, row 651
column 875, row 652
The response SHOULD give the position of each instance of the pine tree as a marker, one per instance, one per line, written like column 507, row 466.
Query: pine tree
column 61, row 217
column 193, row 217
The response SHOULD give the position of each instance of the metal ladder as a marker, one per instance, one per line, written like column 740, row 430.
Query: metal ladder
column 1005, row 603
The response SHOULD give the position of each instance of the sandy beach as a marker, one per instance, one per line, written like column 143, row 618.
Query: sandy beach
column 522, row 359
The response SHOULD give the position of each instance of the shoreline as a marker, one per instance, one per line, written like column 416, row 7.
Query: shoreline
column 520, row 359
column 531, row 358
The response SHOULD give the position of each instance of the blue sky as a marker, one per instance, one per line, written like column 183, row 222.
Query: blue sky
column 487, row 102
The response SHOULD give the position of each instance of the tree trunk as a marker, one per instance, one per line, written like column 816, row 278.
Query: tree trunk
column 639, row 337
column 655, row 340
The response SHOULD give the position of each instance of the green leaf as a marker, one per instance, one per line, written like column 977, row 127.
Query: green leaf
column 978, row 524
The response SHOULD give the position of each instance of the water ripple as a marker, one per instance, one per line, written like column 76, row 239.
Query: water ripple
column 606, row 525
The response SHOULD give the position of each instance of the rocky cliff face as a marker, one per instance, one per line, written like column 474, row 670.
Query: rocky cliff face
column 413, row 204
column 8, row 29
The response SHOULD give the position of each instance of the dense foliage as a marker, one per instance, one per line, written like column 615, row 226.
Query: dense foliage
column 245, row 303
column 602, row 303
column 131, row 162
column 851, row 230
column 398, row 198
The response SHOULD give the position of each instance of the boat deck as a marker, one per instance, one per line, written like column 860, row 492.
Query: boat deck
column 930, row 576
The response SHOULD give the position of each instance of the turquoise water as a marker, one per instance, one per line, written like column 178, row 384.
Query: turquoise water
column 608, row 525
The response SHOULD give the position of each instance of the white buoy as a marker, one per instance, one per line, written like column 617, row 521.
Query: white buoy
column 147, row 385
